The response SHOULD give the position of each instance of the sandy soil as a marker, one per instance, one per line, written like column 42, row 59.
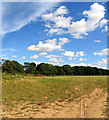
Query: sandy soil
column 92, row 106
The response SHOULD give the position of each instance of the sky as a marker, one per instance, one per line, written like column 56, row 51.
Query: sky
column 59, row 33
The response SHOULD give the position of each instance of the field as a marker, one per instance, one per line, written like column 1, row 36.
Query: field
column 27, row 94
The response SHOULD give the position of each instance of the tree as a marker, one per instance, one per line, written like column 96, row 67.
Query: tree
column 6, row 67
column 67, row 69
column 17, row 67
column 30, row 68
column 60, row 71
column 12, row 67
column 46, row 69
column 89, row 70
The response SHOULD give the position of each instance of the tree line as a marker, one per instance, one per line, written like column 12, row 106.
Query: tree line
column 14, row 67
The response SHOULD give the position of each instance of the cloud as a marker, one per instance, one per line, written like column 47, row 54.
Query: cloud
column 53, row 41
column 70, row 58
column 63, row 40
column 71, row 54
column 106, row 29
column 97, row 41
column 12, row 49
column 103, row 61
column 61, row 11
column 5, row 58
column 43, row 54
column 80, row 64
column 54, row 63
column 68, row 54
column 53, row 16
column 103, row 22
column 102, row 52
column 54, row 60
column 58, row 31
column 20, row 14
column 50, row 45
column 78, row 29
column 58, row 19
column 94, row 15
column 34, row 57
column 47, row 25
column 53, row 56
column 82, row 59
column 14, row 56
column 98, row 64
column 23, row 57
column 80, row 54
column 9, row 49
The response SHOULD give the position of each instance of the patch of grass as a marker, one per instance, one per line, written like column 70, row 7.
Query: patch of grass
column 46, row 89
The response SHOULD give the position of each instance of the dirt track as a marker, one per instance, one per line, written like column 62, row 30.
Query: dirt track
column 91, row 106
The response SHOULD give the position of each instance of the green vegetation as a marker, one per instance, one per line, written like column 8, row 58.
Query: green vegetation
column 14, row 67
column 30, row 88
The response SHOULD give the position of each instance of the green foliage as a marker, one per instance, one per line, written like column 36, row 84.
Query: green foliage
column 30, row 68
column 14, row 67
column 60, row 71
column 46, row 69
column 67, row 69
column 31, row 88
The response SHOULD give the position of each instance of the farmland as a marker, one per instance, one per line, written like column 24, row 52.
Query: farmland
column 32, row 94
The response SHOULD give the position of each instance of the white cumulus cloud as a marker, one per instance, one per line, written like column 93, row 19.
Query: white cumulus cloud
column 82, row 59
column 99, row 64
column 63, row 40
column 102, row 52
column 43, row 54
column 106, row 29
column 34, row 57
column 53, row 56
column 70, row 58
column 80, row 64
column 80, row 54
column 71, row 54
column 23, row 57
column 50, row 45
column 103, row 22
column 55, row 60
column 93, row 18
column 103, row 61
column 68, row 54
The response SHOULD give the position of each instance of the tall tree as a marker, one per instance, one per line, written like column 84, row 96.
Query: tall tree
column 60, row 71
column 12, row 67
column 46, row 69
column 67, row 69
column 30, row 68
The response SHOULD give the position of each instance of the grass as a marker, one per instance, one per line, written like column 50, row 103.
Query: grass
column 46, row 89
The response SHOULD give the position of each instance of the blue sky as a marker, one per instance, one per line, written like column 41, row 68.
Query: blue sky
column 57, row 33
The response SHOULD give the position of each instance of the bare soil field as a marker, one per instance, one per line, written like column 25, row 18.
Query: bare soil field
column 87, row 106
